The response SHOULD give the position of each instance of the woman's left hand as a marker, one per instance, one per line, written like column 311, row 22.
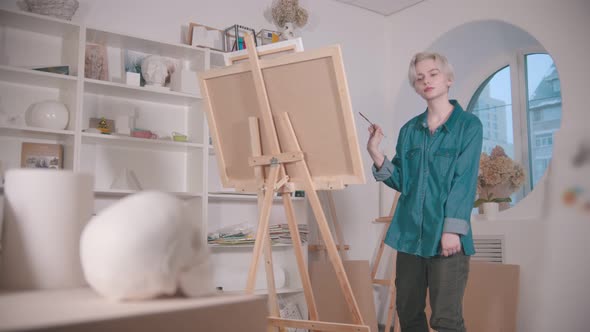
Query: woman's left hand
column 450, row 244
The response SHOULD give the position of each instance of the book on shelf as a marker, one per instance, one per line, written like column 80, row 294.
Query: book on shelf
column 64, row 70
column 41, row 155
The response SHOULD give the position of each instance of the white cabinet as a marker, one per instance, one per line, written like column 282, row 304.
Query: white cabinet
column 31, row 40
column 186, row 169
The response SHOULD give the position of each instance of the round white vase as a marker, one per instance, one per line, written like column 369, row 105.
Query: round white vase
column 48, row 114
column 491, row 210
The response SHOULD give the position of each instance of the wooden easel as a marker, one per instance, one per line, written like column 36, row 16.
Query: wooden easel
column 390, row 283
column 277, row 179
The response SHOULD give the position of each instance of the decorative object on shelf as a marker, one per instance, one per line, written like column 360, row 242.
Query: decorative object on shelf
column 133, row 60
column 63, row 70
column 499, row 177
column 156, row 70
column 204, row 36
column 233, row 37
column 41, row 155
column 48, row 114
column 45, row 214
column 126, row 180
column 153, row 249
column 179, row 137
column 287, row 14
column 143, row 133
column 185, row 80
column 133, row 79
column 63, row 9
column 125, row 123
column 96, row 62
column 104, row 125
column 268, row 36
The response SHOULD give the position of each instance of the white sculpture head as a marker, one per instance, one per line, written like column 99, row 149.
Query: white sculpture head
column 144, row 246
column 154, row 69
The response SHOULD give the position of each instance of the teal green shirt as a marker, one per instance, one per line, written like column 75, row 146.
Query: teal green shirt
column 436, row 175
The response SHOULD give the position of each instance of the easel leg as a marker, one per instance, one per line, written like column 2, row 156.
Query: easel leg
column 325, row 229
column 273, row 302
column 337, row 229
column 303, row 272
column 391, row 308
column 262, row 232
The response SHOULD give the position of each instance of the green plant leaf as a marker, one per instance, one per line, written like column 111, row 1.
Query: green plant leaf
column 502, row 200
column 479, row 202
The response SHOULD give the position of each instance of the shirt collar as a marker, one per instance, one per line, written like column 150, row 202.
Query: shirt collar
column 449, row 124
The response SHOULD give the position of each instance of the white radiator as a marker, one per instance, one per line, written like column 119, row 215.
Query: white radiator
column 489, row 248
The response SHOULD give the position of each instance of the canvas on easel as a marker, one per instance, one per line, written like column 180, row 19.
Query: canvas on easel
column 281, row 124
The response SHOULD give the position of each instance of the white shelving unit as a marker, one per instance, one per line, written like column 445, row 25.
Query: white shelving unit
column 184, row 169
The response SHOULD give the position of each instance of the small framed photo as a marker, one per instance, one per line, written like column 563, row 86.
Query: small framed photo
column 41, row 155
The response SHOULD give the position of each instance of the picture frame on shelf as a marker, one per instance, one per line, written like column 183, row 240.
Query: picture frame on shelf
column 105, row 126
column 132, row 64
column 41, row 155
column 96, row 62
column 204, row 36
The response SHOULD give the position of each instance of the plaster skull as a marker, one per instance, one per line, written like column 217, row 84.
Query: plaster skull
column 154, row 69
column 144, row 246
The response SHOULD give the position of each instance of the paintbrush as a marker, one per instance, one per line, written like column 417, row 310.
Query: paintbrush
column 369, row 121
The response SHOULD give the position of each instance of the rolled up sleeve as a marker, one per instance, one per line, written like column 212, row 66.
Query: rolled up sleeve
column 464, row 184
column 391, row 171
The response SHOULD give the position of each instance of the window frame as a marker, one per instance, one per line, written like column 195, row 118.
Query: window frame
column 520, row 122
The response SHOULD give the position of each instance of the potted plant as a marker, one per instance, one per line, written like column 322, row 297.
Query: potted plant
column 491, row 204
column 499, row 177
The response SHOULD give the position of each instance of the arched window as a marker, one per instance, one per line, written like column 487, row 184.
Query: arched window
column 520, row 108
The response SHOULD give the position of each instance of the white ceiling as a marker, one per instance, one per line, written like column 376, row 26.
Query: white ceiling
column 383, row 7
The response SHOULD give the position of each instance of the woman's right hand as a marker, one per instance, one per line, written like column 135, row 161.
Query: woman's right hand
column 375, row 138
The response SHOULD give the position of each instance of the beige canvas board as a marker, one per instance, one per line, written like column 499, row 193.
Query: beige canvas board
column 328, row 295
column 311, row 87
column 491, row 298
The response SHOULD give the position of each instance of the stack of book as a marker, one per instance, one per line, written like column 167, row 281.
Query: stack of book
column 279, row 233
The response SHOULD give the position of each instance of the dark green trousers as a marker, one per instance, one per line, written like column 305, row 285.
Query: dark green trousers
column 445, row 277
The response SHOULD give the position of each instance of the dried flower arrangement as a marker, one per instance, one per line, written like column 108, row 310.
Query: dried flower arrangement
column 285, row 11
column 499, row 176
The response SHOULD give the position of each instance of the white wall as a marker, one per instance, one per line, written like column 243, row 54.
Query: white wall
column 476, row 34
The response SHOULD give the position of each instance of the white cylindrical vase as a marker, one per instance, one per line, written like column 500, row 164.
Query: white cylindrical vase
column 46, row 211
column 491, row 210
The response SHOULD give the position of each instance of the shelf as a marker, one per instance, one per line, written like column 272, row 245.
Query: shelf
column 244, row 197
column 264, row 291
column 117, row 193
column 37, row 23
column 140, row 44
column 120, row 90
column 35, row 133
column 242, row 246
column 27, row 76
column 139, row 143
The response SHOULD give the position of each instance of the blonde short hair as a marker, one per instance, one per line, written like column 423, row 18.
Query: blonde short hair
column 440, row 59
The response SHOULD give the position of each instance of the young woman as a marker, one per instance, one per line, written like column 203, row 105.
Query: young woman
column 435, row 170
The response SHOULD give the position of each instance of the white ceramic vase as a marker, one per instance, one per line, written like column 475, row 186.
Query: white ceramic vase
column 490, row 210
column 48, row 114
column 46, row 211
